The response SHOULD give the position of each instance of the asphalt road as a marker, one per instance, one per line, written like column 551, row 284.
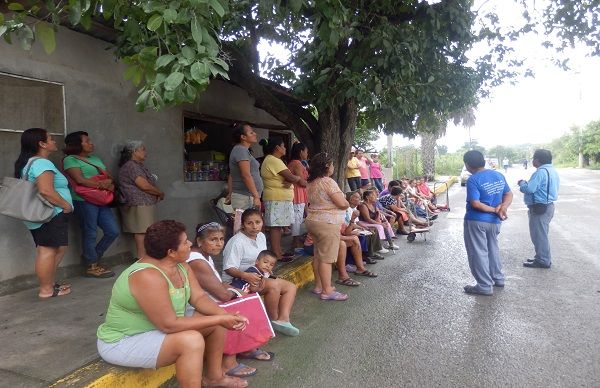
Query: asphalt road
column 413, row 325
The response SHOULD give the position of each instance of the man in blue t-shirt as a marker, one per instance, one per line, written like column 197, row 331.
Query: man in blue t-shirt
column 488, row 198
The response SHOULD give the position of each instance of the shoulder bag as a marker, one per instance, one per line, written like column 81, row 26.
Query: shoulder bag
column 20, row 198
column 93, row 195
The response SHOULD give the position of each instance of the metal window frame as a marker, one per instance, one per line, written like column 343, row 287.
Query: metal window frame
column 64, row 107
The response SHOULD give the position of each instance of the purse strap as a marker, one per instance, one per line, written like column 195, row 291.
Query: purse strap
column 100, row 170
column 28, row 167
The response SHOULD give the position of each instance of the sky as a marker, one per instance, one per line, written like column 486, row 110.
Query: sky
column 535, row 110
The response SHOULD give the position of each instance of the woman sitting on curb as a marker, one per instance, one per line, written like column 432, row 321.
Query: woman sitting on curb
column 146, row 326
column 240, row 253
column 210, row 239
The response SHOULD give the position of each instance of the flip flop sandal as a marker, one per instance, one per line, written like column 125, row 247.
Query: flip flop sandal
column 236, row 371
column 334, row 296
column 61, row 287
column 366, row 273
column 369, row 260
column 254, row 354
column 56, row 292
column 348, row 282
column 316, row 292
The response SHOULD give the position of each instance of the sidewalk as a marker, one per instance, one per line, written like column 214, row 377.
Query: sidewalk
column 53, row 342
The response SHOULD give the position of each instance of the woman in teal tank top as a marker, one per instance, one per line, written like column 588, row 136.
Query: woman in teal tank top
column 146, row 325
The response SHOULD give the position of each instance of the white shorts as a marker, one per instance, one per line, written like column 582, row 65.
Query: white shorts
column 298, row 219
column 136, row 351
column 278, row 213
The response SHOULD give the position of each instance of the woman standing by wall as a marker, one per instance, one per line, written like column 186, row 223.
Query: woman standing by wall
column 51, row 238
column 376, row 173
column 325, row 218
column 279, row 193
column 81, row 165
column 244, row 184
column 138, row 193
column 299, row 154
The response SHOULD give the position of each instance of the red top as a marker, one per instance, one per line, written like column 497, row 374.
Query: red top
column 300, row 195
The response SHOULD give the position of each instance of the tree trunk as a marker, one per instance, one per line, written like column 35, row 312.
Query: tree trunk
column 428, row 154
column 337, row 134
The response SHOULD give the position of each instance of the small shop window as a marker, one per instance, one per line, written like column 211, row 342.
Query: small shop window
column 206, row 145
column 29, row 103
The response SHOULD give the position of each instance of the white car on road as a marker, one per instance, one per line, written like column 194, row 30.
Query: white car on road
column 464, row 175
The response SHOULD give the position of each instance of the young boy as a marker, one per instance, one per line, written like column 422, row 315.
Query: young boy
column 265, row 262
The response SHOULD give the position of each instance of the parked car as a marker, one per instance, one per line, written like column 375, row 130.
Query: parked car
column 464, row 175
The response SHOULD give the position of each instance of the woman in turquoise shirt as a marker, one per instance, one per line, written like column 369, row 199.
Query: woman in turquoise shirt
column 51, row 238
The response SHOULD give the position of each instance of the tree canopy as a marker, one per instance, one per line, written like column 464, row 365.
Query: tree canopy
column 403, row 66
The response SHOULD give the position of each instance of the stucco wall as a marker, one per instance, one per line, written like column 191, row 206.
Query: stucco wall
column 99, row 101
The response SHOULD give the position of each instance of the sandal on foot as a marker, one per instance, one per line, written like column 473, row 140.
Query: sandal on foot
column 226, row 382
column 316, row 292
column 255, row 354
column 348, row 282
column 285, row 328
column 61, row 287
column 366, row 273
column 237, row 371
column 370, row 260
column 56, row 292
column 96, row 271
column 335, row 296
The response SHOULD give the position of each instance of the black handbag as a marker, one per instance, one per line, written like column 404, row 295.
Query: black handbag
column 540, row 208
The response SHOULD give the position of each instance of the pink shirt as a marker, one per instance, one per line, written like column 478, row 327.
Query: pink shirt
column 376, row 170
column 322, row 208
column 363, row 168
column 300, row 195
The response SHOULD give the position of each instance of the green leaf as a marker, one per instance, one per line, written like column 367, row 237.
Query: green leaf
column 217, row 7
column 25, row 36
column 45, row 33
column 16, row 7
column 431, row 79
column 295, row 5
column 196, row 31
column 188, row 52
column 199, row 72
column 133, row 73
column 164, row 60
column 154, row 22
column 169, row 15
column 1, row 18
column 142, row 100
column 173, row 81
column 75, row 13
column 86, row 20
column 198, row 3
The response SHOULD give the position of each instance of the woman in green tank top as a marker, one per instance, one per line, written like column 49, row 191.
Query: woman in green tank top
column 146, row 325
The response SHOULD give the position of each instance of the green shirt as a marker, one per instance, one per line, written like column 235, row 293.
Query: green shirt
column 125, row 317
column 87, row 170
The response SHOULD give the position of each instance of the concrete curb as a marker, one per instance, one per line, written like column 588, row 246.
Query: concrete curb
column 442, row 188
column 100, row 374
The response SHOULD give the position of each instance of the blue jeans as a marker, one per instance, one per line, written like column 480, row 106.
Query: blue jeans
column 378, row 183
column 91, row 217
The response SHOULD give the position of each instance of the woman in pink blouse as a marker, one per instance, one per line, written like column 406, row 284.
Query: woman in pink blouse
column 376, row 173
column 325, row 216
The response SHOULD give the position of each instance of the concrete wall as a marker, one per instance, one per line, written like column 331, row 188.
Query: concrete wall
column 99, row 101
